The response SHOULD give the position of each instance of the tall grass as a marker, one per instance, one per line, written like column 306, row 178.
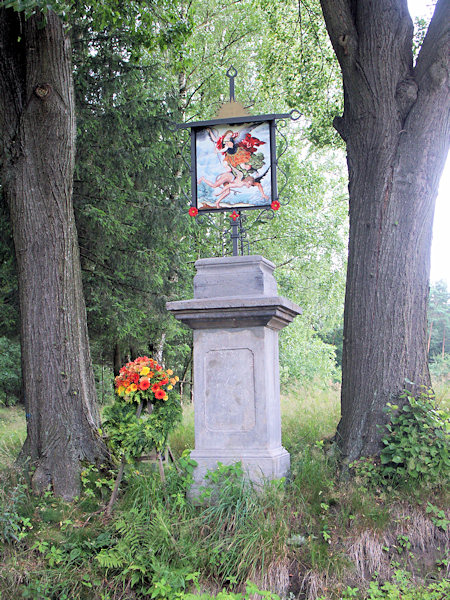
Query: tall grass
column 310, row 537
column 308, row 415
column 12, row 433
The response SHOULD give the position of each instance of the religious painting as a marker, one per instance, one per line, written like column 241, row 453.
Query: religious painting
column 233, row 166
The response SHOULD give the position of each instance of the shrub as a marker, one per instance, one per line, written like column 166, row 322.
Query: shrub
column 417, row 441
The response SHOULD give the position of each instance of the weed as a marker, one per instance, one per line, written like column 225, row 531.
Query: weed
column 417, row 444
column 438, row 516
column 14, row 526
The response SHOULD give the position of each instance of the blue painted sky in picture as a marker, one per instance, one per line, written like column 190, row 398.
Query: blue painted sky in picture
column 233, row 166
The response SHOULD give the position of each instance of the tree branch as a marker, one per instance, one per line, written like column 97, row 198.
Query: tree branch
column 433, row 59
column 341, row 29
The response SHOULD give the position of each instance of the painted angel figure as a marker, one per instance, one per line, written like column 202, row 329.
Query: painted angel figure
column 241, row 161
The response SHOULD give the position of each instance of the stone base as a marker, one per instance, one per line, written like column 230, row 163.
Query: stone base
column 259, row 466
column 236, row 315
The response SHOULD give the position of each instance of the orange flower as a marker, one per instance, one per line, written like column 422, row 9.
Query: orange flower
column 155, row 387
column 160, row 394
column 144, row 384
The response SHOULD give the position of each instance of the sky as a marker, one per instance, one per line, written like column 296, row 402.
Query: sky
column 440, row 249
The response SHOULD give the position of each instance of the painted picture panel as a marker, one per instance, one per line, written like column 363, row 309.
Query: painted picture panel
column 233, row 166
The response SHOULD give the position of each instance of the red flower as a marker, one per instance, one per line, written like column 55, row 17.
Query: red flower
column 155, row 387
column 159, row 394
column 275, row 205
column 134, row 377
column 164, row 381
column 234, row 215
column 144, row 384
column 193, row 211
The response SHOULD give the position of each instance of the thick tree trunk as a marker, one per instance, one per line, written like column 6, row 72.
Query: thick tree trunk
column 37, row 125
column 396, row 125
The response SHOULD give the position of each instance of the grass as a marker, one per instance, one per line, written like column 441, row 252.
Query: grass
column 312, row 537
column 12, row 433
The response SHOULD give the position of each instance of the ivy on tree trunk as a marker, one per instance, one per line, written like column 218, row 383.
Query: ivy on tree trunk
column 396, row 127
column 37, row 127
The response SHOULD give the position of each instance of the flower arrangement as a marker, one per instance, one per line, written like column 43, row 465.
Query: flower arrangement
column 145, row 411
column 144, row 380
column 130, row 430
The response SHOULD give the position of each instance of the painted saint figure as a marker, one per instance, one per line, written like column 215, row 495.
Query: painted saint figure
column 240, row 159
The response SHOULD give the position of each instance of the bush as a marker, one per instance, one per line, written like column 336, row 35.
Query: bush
column 417, row 443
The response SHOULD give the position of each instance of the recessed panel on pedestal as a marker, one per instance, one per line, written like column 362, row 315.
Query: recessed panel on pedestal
column 229, row 390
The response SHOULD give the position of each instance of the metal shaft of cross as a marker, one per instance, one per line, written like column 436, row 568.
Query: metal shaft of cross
column 237, row 233
column 231, row 74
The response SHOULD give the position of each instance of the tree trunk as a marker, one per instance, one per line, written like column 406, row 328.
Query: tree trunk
column 396, row 126
column 117, row 359
column 37, row 126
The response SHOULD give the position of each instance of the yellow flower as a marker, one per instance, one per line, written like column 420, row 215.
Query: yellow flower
column 170, row 387
column 166, row 397
column 145, row 371
column 128, row 390
column 121, row 390
column 133, row 387
column 177, row 378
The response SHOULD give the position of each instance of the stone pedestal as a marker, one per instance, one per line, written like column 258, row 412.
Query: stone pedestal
column 236, row 315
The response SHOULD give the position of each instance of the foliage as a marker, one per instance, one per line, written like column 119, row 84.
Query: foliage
column 417, row 445
column 97, row 481
column 10, row 372
column 439, row 328
column 438, row 516
column 248, row 526
column 298, row 66
column 137, row 68
column 130, row 431
column 400, row 588
column 440, row 367
column 158, row 543
column 131, row 253
column 9, row 297
column 13, row 525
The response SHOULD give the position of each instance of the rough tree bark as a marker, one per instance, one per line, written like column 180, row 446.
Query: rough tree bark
column 396, row 127
column 37, row 128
